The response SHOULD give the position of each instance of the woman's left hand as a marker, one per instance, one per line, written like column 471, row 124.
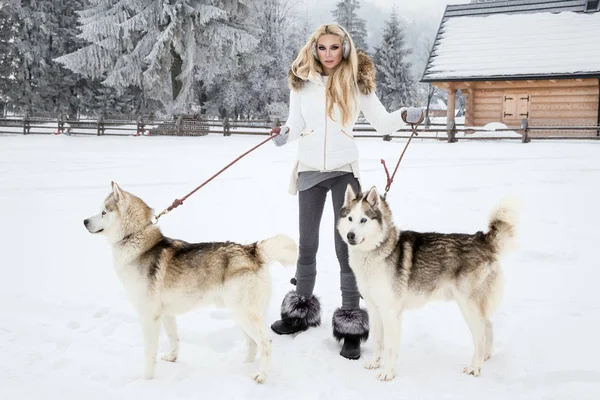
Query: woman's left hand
column 275, row 131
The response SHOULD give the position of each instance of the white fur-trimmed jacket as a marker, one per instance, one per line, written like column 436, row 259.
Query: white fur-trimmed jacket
column 325, row 143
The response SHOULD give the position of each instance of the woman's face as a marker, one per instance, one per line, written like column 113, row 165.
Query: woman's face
column 329, row 50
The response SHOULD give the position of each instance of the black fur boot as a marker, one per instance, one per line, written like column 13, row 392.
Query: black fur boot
column 297, row 314
column 351, row 326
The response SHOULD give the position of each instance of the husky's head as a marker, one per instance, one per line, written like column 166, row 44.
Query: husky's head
column 364, row 219
column 121, row 215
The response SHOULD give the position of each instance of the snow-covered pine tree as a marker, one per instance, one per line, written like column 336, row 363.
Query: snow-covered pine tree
column 9, row 56
column 300, row 32
column 163, row 47
column 38, row 31
column 346, row 16
column 258, row 89
column 277, row 17
column 32, row 33
column 395, row 85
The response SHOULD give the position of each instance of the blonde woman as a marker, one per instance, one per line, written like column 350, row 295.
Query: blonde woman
column 330, row 84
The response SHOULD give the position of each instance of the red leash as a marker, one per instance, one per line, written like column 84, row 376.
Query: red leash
column 387, row 173
column 178, row 202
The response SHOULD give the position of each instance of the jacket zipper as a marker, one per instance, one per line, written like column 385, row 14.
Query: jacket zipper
column 325, row 137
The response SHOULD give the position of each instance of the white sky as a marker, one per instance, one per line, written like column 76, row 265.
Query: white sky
column 412, row 8
column 413, row 4
column 424, row 15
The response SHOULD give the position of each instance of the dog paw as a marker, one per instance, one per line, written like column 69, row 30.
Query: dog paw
column 170, row 356
column 372, row 364
column 148, row 375
column 259, row 377
column 149, row 368
column 472, row 371
column 386, row 375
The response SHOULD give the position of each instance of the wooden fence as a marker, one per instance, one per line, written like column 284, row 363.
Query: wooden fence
column 119, row 125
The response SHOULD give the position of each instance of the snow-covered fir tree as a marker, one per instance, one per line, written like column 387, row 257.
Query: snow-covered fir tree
column 277, row 18
column 302, row 28
column 163, row 47
column 258, row 88
column 9, row 56
column 345, row 14
column 41, row 30
column 32, row 34
column 395, row 85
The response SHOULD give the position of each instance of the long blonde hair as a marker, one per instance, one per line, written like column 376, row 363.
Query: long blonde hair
column 342, row 85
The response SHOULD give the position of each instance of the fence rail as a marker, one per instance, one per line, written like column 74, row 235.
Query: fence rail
column 195, row 126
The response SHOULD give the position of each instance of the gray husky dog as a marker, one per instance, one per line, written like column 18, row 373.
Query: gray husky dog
column 398, row 270
column 166, row 277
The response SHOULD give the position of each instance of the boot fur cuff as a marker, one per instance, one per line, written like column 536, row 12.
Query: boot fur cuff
column 350, row 324
column 300, row 311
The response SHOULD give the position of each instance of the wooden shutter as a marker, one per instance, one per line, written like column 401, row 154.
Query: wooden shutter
column 523, row 106
column 509, row 111
column 516, row 107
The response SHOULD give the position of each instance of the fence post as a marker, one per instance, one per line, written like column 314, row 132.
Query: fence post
column 26, row 125
column 451, row 129
column 61, row 124
column 226, row 126
column 179, row 125
column 140, row 126
column 100, row 128
column 525, row 131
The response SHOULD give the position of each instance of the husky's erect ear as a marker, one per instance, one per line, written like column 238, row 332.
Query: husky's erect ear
column 117, row 192
column 373, row 197
column 350, row 195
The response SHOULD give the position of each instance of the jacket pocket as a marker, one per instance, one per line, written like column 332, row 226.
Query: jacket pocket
column 306, row 133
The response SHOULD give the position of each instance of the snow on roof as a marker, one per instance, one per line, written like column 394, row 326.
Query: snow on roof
column 518, row 6
column 516, row 45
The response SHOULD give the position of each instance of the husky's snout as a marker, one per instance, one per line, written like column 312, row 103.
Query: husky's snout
column 351, row 238
column 88, row 224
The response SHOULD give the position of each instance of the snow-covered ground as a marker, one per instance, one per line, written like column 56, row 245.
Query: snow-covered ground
column 68, row 332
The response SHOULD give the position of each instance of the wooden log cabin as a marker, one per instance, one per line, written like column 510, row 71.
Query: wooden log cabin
column 521, row 59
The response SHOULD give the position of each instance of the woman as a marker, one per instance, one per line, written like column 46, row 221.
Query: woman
column 330, row 84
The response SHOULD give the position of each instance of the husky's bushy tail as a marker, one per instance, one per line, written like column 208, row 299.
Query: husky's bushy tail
column 502, row 227
column 280, row 248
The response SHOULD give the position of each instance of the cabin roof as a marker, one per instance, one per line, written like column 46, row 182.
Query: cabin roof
column 516, row 40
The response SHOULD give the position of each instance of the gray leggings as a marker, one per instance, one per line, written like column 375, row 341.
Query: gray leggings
column 311, row 205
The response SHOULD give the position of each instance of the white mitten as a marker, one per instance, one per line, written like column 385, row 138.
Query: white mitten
column 283, row 136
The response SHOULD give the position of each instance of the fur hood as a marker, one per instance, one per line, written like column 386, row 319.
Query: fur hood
column 366, row 75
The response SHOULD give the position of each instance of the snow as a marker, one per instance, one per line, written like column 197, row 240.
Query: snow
column 67, row 330
column 517, row 44
column 438, row 104
column 491, row 130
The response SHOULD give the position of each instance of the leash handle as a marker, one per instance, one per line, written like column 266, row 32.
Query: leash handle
column 387, row 176
column 178, row 202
